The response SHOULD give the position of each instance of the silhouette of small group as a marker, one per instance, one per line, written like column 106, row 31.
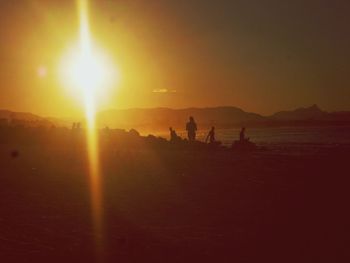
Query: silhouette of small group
column 191, row 128
column 243, row 144
column 76, row 126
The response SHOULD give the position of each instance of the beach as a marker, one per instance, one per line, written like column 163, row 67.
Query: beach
column 174, row 205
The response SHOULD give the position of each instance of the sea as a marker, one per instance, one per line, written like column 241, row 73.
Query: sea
column 277, row 137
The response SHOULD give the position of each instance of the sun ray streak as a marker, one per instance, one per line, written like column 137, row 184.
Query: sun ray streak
column 90, row 86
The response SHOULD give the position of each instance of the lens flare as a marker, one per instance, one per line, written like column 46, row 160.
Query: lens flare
column 88, row 75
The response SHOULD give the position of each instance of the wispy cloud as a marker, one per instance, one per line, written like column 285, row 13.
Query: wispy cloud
column 163, row 91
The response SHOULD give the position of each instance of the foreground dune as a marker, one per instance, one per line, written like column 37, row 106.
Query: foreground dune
column 173, row 205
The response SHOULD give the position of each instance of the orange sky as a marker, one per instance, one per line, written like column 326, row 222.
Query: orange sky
column 260, row 57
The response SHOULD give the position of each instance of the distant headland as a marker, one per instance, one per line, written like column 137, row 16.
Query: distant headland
column 161, row 118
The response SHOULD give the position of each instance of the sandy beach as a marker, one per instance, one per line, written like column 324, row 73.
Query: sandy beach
column 166, row 205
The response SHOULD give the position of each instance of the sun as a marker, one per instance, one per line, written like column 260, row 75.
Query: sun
column 87, row 70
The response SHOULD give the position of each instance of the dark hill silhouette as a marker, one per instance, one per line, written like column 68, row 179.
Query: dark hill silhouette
column 148, row 120
column 309, row 113
column 23, row 119
column 312, row 115
column 7, row 116
column 25, row 116
column 156, row 118
column 220, row 117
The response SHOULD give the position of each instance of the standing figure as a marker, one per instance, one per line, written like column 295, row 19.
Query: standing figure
column 191, row 128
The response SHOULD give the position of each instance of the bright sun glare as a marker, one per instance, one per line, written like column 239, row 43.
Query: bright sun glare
column 87, row 71
column 89, row 74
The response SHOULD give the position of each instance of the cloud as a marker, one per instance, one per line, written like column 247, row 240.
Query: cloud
column 163, row 91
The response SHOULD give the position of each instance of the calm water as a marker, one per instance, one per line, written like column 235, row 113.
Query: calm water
column 273, row 136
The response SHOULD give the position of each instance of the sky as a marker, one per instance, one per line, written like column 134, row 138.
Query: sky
column 261, row 56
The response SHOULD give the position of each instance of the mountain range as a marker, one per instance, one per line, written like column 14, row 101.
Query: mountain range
column 221, row 117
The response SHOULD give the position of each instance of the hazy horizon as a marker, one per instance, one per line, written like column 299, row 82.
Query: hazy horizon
column 184, row 108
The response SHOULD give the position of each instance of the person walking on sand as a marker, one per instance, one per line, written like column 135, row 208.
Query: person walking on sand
column 191, row 128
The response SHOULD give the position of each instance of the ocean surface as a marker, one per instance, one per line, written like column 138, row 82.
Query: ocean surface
column 273, row 137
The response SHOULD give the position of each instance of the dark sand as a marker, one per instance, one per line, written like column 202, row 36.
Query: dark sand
column 174, row 205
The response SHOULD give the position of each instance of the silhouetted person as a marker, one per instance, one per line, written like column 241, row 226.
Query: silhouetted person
column 73, row 126
column 211, row 136
column 243, row 144
column 242, row 137
column 173, row 136
column 191, row 128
